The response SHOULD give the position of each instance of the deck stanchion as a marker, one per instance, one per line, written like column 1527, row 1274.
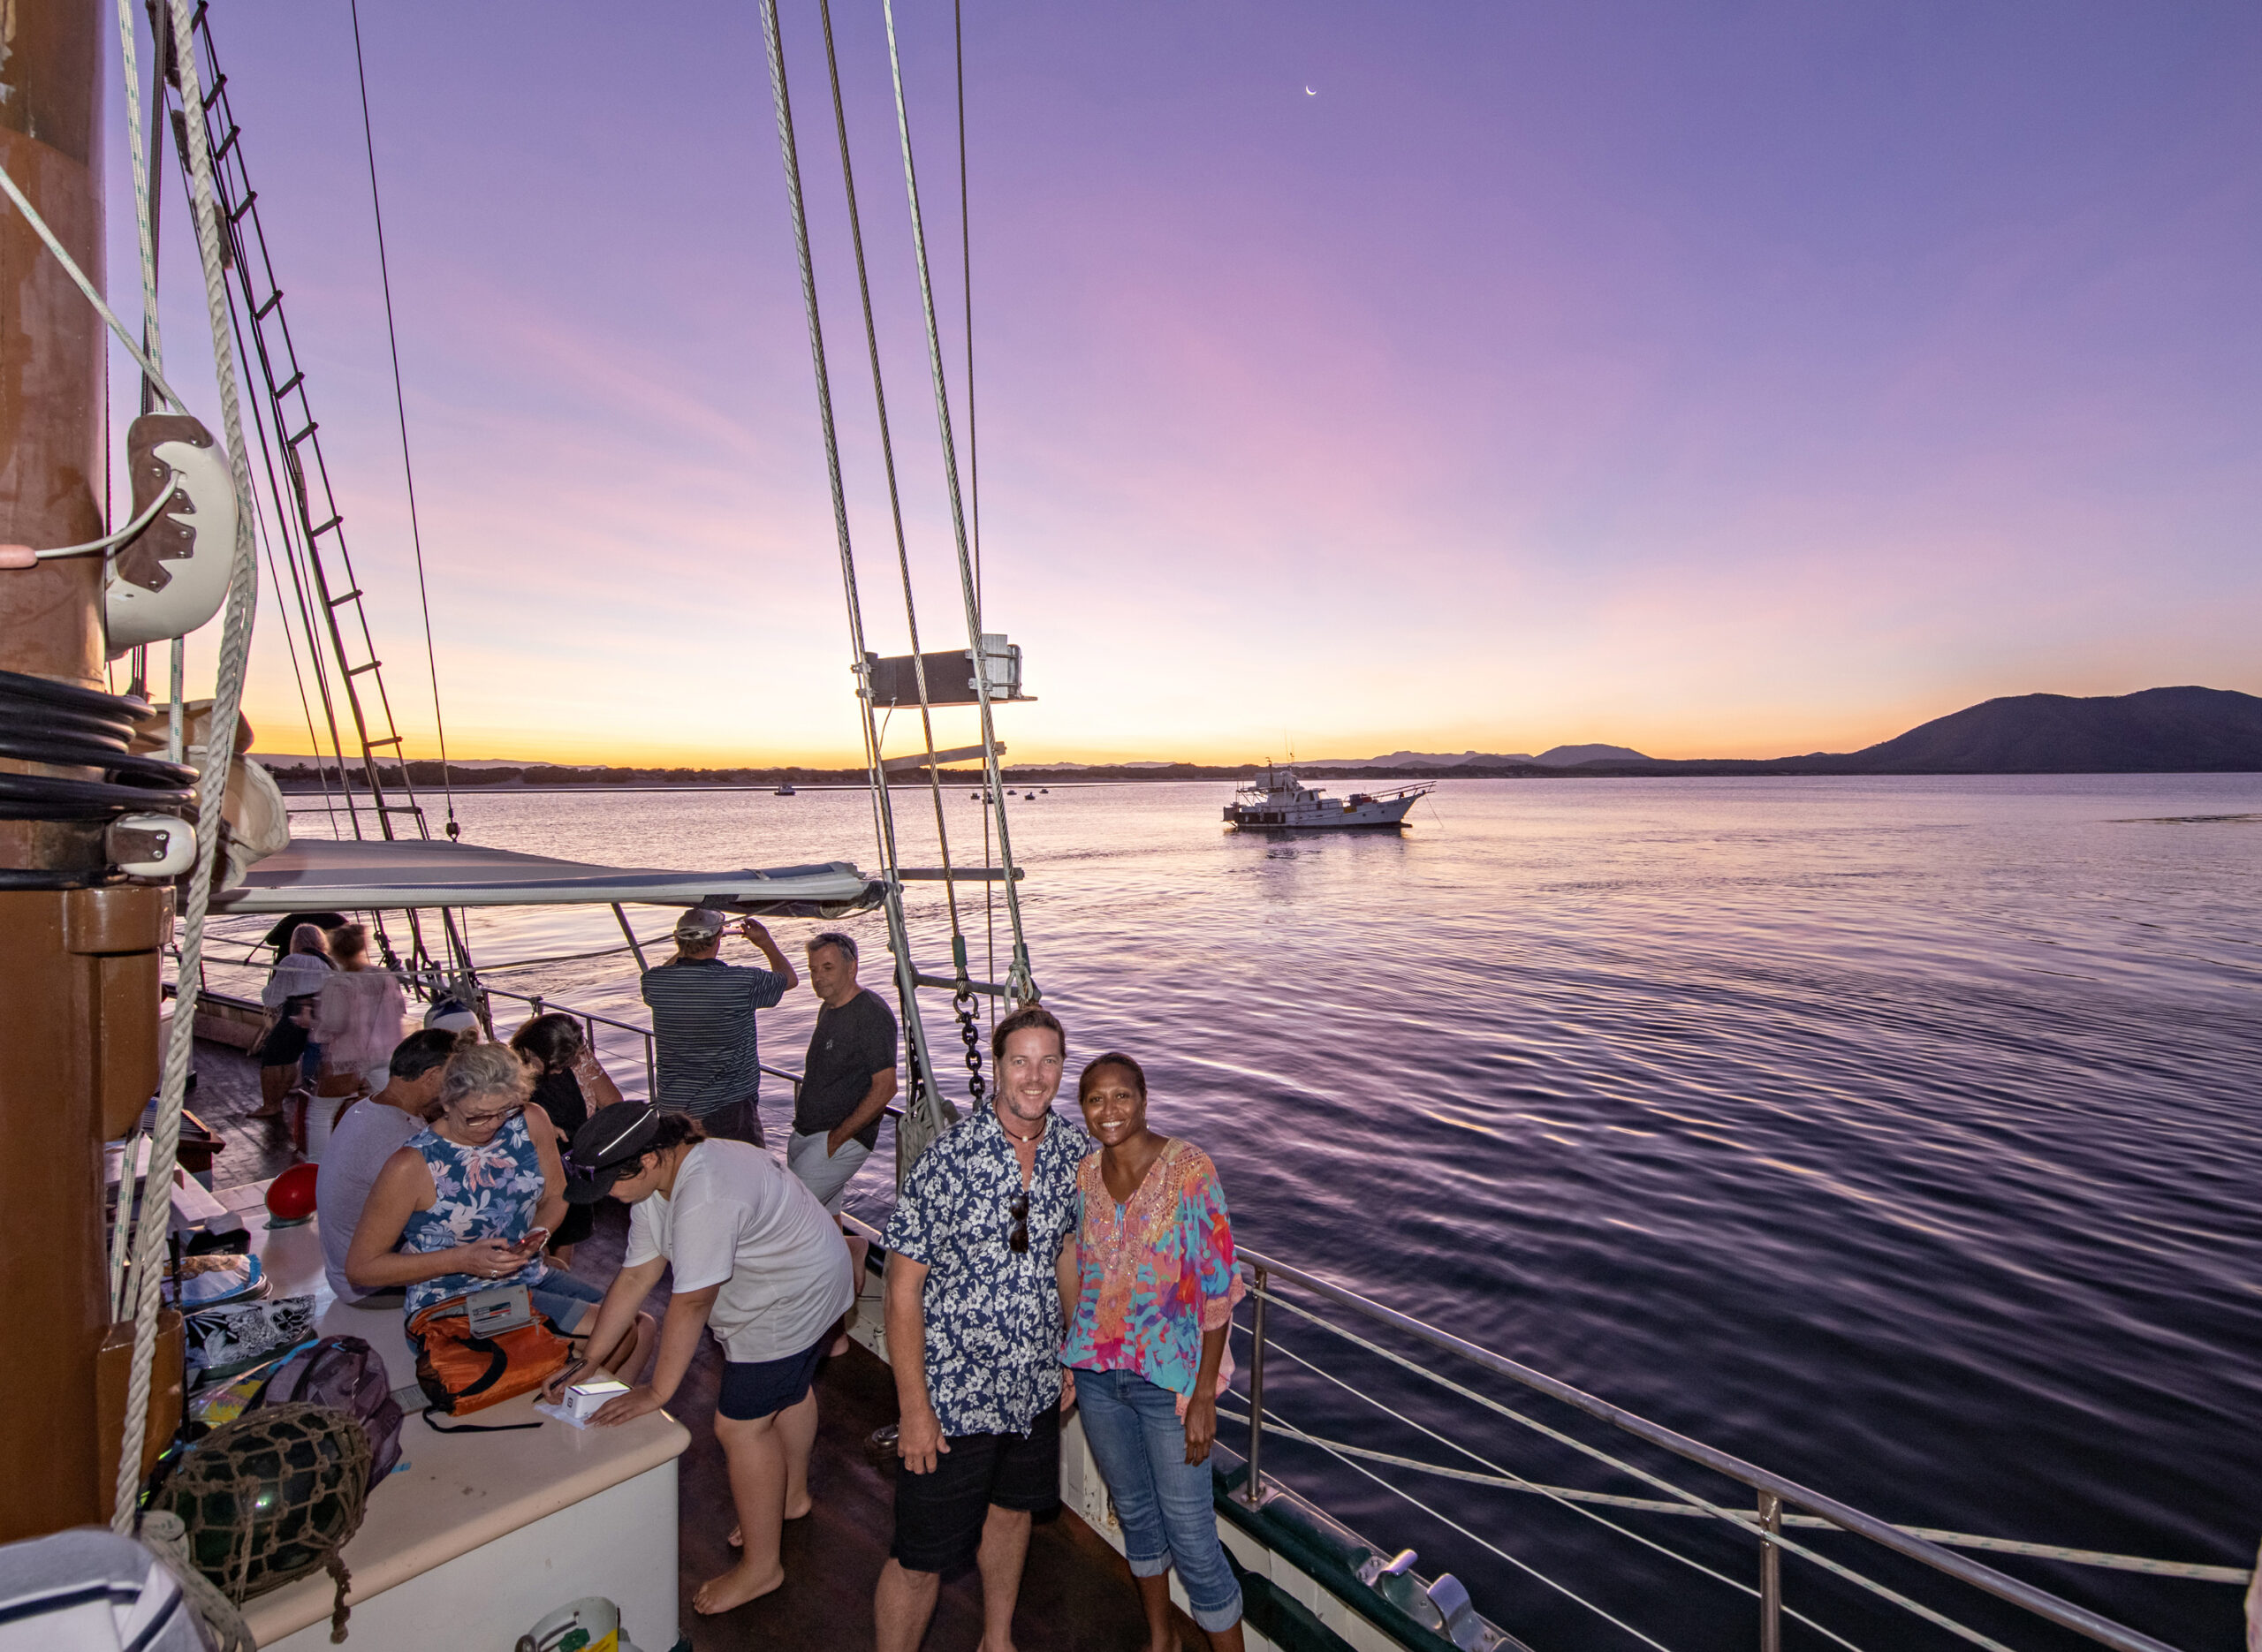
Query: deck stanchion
column 1770, row 1575
column 633, row 945
column 1253, row 1492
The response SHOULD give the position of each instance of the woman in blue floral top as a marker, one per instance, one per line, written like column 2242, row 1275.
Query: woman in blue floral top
column 470, row 1202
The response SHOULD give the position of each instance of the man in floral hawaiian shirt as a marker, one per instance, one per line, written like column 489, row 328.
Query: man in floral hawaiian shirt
column 974, row 1335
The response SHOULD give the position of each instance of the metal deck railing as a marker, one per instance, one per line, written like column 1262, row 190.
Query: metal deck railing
column 1764, row 1521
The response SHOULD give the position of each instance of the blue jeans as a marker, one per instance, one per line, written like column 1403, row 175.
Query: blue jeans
column 561, row 1299
column 1162, row 1500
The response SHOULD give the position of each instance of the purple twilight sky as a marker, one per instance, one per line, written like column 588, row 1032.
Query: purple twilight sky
column 1717, row 379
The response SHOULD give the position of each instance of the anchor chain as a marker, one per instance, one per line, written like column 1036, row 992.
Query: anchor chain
column 969, row 1026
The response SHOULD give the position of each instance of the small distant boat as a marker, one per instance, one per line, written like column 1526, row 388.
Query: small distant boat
column 787, row 791
column 1281, row 801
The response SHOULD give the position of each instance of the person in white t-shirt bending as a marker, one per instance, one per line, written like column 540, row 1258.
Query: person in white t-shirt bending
column 758, row 1262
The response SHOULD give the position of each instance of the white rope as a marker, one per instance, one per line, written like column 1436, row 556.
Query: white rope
column 212, row 779
column 71, row 268
column 1020, row 983
column 906, row 972
column 143, row 222
column 1642, row 1474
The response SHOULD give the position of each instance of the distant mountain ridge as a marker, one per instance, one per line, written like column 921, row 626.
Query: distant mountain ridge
column 2156, row 731
column 1553, row 757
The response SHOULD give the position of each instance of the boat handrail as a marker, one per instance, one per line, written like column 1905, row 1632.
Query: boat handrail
column 1774, row 1490
column 544, row 1004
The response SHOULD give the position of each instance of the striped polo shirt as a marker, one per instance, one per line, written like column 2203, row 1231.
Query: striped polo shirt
column 702, row 1016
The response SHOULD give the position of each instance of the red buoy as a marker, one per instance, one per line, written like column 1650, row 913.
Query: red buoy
column 291, row 1196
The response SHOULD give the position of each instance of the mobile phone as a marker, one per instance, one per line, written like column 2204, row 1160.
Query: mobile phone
column 535, row 1238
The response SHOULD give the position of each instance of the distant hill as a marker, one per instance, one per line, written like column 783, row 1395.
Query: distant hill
column 1554, row 757
column 2158, row 731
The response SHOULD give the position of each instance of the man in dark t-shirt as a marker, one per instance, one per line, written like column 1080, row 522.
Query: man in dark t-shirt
column 849, row 1078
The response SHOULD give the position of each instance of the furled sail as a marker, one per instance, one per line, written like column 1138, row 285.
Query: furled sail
column 320, row 874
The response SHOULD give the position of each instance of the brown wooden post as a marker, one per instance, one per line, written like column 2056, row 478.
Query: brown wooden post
column 52, row 1292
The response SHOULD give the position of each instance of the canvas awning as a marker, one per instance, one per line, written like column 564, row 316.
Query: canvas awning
column 366, row 875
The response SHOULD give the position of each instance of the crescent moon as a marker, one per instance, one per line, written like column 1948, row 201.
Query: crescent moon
column 1309, row 93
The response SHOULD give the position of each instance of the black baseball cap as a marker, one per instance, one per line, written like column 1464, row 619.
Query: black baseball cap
column 607, row 1149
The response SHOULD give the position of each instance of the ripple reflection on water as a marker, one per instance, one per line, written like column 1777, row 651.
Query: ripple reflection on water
column 1898, row 1135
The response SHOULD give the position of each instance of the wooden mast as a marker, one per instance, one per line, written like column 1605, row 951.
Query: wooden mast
column 78, row 967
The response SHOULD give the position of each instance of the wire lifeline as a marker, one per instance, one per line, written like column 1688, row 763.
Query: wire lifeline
column 235, row 645
column 1524, row 1566
column 936, row 1116
column 1522, row 1484
column 1508, row 1480
column 71, row 268
column 400, row 407
column 1023, row 985
column 2038, row 1601
column 1733, row 1517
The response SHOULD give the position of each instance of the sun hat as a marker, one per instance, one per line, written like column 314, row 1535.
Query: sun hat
column 700, row 925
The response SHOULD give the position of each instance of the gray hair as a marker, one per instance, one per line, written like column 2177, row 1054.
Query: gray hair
column 840, row 938
column 486, row 1070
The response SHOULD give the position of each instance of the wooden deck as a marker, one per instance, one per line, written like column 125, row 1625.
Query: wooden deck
column 1077, row 1595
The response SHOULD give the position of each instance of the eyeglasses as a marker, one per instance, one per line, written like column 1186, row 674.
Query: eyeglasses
column 480, row 1121
column 1017, row 1241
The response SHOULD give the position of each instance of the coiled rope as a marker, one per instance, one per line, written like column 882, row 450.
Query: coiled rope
column 219, row 750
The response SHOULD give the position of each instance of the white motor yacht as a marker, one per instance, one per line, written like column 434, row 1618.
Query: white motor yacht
column 1279, row 801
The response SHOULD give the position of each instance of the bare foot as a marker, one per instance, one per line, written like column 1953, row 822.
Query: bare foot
column 737, row 1539
column 735, row 1587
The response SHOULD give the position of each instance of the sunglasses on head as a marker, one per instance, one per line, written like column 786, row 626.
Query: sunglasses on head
column 1017, row 1241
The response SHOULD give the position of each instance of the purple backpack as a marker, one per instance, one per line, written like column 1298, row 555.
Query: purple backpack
column 345, row 1374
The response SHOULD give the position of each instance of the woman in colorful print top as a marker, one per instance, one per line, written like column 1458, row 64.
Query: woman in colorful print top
column 469, row 1203
column 1151, row 1272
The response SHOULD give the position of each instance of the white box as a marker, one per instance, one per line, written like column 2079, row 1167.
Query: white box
column 582, row 1400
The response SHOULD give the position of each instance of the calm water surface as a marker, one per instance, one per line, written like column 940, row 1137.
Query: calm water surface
column 1899, row 1134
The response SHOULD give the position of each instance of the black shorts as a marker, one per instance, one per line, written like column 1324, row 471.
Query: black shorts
column 754, row 1388
column 938, row 1517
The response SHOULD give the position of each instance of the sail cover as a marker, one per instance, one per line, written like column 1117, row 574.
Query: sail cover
column 371, row 876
